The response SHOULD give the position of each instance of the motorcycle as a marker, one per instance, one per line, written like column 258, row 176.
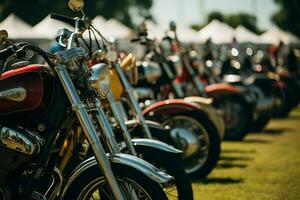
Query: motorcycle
column 39, row 104
column 192, row 129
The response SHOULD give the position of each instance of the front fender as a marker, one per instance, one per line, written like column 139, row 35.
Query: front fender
column 155, row 144
column 125, row 159
column 170, row 107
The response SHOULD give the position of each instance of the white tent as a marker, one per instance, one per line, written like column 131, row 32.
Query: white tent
column 155, row 31
column 186, row 34
column 115, row 29
column 275, row 35
column 99, row 23
column 47, row 28
column 217, row 31
column 16, row 27
column 242, row 34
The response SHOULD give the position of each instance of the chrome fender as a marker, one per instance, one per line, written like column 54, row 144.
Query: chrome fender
column 155, row 144
column 120, row 158
column 214, row 114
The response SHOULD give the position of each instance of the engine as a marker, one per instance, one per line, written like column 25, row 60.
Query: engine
column 18, row 148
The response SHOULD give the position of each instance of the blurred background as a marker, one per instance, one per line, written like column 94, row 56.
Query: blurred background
column 267, row 21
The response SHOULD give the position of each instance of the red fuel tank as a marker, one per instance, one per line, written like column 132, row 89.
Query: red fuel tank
column 26, row 91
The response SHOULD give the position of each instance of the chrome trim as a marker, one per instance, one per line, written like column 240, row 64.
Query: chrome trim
column 100, row 79
column 155, row 144
column 17, row 141
column 74, row 53
column 125, row 159
column 152, row 70
column 89, row 130
column 142, row 166
column 15, row 94
column 134, row 103
column 56, row 184
column 118, row 116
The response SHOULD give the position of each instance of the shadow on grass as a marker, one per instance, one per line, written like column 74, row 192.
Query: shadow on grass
column 293, row 117
column 219, row 180
column 274, row 131
column 239, row 151
column 227, row 165
column 256, row 141
column 235, row 158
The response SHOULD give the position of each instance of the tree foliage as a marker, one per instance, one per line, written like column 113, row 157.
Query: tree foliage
column 288, row 16
column 34, row 11
column 215, row 15
column 245, row 19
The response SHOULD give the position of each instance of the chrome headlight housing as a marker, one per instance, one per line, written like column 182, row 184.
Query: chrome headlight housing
column 100, row 79
column 151, row 71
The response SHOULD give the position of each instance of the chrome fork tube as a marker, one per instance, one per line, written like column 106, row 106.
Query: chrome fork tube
column 89, row 130
column 117, row 114
column 133, row 102
column 107, row 131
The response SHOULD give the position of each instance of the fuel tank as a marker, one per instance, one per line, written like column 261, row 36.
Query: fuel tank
column 26, row 92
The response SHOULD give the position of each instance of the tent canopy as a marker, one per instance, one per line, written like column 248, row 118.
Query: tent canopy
column 16, row 27
column 47, row 28
column 217, row 31
column 115, row 29
column 186, row 34
column 99, row 22
column 242, row 34
column 275, row 35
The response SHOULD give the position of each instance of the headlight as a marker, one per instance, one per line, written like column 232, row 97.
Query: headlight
column 150, row 71
column 100, row 79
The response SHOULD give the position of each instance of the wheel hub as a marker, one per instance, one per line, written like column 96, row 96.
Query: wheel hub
column 186, row 140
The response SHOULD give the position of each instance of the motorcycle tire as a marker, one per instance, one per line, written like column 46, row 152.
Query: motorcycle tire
column 241, row 117
column 288, row 101
column 204, row 158
column 172, row 165
column 92, row 177
column 260, row 124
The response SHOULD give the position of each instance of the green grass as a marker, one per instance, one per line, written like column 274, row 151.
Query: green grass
column 264, row 166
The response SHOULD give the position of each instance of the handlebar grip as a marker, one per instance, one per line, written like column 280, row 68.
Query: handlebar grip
column 63, row 18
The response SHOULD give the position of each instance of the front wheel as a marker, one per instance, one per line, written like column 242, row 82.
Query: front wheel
column 91, row 184
column 181, row 188
column 196, row 135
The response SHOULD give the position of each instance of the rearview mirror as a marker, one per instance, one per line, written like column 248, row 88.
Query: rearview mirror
column 76, row 5
column 3, row 36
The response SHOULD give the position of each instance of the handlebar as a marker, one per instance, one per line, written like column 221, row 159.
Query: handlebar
column 66, row 19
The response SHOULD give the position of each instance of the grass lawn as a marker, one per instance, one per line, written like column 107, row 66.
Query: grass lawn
column 264, row 166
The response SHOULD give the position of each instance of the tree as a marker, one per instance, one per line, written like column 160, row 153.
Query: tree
column 215, row 15
column 288, row 16
column 245, row 19
column 33, row 11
